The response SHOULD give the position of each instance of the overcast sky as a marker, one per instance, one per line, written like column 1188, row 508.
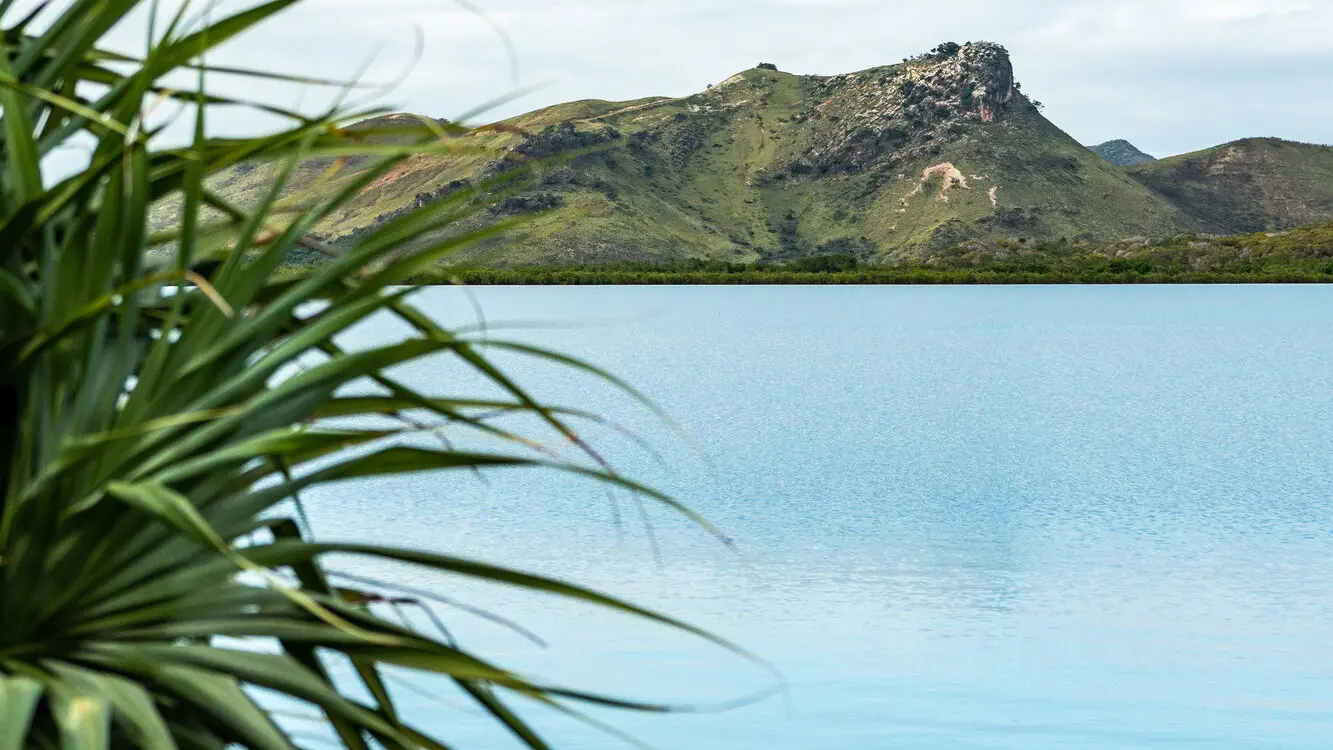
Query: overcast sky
column 1169, row 75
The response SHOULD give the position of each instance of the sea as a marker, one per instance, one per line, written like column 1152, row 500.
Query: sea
column 938, row 517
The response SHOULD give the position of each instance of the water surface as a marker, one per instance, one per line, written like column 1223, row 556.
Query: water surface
column 967, row 517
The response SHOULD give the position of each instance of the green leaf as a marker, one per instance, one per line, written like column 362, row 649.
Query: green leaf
column 276, row 672
column 194, row 45
column 25, row 171
column 18, row 701
column 296, row 446
column 14, row 290
column 223, row 700
column 84, row 722
column 312, row 577
column 496, row 707
column 132, row 704
column 286, row 553
column 173, row 507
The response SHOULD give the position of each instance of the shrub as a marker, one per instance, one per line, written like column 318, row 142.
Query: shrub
column 965, row 100
column 912, row 92
column 894, row 136
column 565, row 136
column 825, row 264
column 945, row 51
column 525, row 204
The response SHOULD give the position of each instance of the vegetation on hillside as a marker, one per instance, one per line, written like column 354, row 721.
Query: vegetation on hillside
column 1252, row 185
column 1122, row 153
column 162, row 414
column 1299, row 256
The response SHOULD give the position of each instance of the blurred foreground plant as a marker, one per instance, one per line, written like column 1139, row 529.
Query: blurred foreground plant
column 158, row 418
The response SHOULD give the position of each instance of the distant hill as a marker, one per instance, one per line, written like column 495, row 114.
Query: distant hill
column 1122, row 153
column 897, row 162
column 1252, row 185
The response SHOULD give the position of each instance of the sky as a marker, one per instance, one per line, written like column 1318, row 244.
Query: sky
column 1170, row 75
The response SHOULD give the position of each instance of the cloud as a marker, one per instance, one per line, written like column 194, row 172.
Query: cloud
column 1171, row 75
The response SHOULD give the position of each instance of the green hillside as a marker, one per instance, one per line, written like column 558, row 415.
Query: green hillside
column 1253, row 185
column 892, row 163
column 1122, row 153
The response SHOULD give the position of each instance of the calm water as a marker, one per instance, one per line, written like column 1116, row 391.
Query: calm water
column 1033, row 517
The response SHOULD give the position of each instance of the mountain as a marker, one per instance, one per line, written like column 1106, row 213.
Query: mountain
column 899, row 162
column 1122, row 153
column 1252, row 185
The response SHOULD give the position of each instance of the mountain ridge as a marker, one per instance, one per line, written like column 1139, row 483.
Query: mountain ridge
column 899, row 161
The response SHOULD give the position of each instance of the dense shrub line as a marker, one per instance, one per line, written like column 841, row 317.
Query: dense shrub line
column 596, row 276
column 1303, row 255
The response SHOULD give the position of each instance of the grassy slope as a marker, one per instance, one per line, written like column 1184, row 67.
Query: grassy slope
column 1252, row 185
column 1050, row 186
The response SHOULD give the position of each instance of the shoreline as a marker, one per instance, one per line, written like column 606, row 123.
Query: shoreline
column 585, row 277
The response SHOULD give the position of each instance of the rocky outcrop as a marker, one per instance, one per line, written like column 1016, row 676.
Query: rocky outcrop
column 562, row 138
column 558, row 139
column 526, row 204
column 678, row 139
column 989, row 67
column 905, row 110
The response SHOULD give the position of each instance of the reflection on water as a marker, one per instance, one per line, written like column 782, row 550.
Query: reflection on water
column 1035, row 517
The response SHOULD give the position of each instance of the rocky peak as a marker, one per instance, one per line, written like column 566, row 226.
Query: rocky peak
column 988, row 66
column 902, row 109
column 978, row 77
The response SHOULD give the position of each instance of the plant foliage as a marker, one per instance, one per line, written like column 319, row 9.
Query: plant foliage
column 160, row 413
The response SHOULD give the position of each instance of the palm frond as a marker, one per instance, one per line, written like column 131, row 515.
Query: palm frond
column 155, row 427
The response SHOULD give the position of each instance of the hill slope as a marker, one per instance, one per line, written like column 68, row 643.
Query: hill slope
column 888, row 162
column 896, row 162
column 1122, row 153
column 1253, row 185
